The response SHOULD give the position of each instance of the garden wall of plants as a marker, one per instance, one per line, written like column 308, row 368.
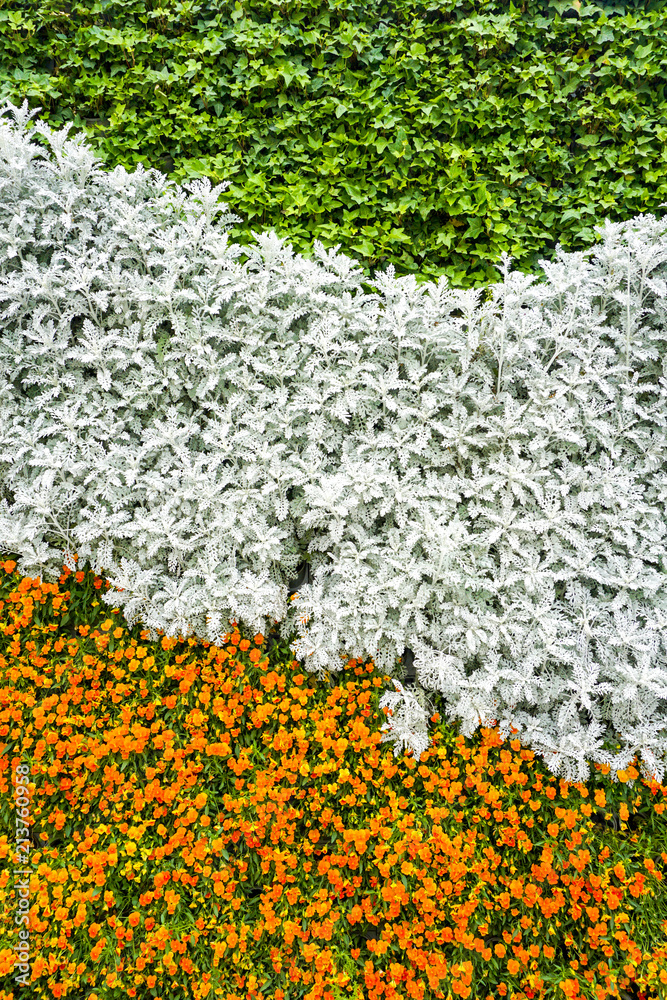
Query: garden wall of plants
column 433, row 135
column 208, row 822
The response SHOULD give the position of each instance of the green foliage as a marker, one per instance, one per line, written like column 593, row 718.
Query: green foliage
column 432, row 135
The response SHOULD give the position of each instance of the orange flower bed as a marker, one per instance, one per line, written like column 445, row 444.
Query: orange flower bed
column 214, row 822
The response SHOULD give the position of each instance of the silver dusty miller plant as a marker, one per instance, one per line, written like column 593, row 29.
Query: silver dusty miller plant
column 479, row 479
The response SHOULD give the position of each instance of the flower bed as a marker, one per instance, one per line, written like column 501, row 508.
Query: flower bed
column 206, row 822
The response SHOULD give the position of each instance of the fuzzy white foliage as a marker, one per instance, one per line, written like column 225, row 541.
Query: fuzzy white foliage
column 482, row 481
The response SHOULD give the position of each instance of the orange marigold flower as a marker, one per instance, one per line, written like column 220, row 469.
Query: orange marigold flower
column 94, row 930
column 134, row 919
column 259, row 639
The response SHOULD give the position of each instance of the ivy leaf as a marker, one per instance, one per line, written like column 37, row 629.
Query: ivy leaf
column 589, row 139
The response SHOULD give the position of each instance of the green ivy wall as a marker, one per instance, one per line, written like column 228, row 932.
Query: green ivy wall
column 430, row 135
